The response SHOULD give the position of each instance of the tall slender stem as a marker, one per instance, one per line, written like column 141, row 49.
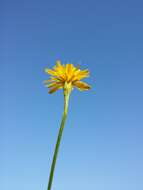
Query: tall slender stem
column 66, row 100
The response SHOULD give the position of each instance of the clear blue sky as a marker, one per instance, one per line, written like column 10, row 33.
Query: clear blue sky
column 102, row 143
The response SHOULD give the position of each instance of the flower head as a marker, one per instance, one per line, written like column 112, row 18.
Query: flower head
column 66, row 77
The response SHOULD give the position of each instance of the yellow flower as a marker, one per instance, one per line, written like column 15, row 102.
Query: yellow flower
column 66, row 77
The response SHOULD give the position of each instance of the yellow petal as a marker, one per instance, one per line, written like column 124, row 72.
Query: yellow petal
column 55, row 88
column 60, row 70
column 59, row 67
column 58, row 63
column 51, row 84
column 69, row 71
column 81, row 85
column 59, row 75
column 54, row 84
column 81, row 74
column 51, row 72
column 53, row 79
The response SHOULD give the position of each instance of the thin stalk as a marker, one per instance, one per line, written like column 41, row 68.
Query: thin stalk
column 66, row 100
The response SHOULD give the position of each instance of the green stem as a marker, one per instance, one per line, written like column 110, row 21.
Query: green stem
column 66, row 100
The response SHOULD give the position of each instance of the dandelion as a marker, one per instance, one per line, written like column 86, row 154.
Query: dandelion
column 64, row 77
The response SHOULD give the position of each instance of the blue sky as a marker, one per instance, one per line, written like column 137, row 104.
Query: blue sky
column 102, row 141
